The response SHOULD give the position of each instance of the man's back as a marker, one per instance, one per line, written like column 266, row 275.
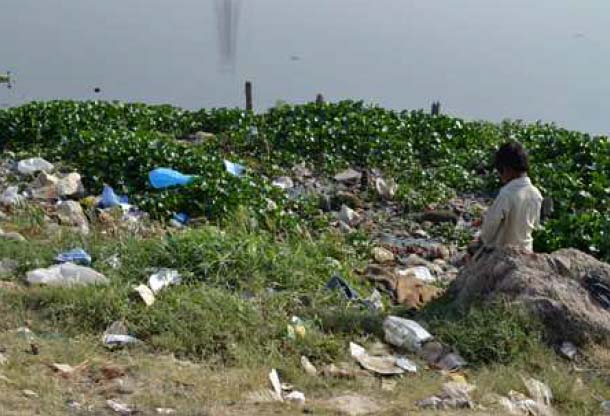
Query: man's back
column 514, row 215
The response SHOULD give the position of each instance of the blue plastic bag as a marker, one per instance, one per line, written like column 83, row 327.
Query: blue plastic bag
column 235, row 169
column 110, row 199
column 161, row 178
column 77, row 256
column 182, row 218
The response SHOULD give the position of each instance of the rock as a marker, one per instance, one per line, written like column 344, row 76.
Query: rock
column 432, row 352
column 353, row 405
column 558, row 298
column 386, row 189
column 66, row 274
column 10, row 197
column 301, row 171
column 349, row 176
column 438, row 217
column 70, row 185
column 346, row 198
column 8, row 267
column 11, row 236
column 348, row 216
column 34, row 165
column 71, row 213
column 283, row 182
column 381, row 255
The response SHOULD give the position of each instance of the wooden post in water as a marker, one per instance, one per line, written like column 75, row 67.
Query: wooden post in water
column 436, row 108
column 249, row 105
column 319, row 99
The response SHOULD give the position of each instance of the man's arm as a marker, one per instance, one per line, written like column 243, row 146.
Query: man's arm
column 493, row 219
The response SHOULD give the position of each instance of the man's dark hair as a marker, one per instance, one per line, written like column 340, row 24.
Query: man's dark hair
column 512, row 155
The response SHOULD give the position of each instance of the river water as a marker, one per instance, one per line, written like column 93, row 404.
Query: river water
column 482, row 59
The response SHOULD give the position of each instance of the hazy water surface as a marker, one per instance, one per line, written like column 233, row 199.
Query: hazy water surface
column 483, row 59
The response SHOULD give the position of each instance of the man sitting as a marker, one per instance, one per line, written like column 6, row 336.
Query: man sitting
column 515, row 213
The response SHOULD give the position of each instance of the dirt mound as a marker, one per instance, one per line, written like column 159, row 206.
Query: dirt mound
column 559, row 288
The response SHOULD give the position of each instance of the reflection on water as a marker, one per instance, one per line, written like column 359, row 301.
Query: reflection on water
column 227, row 12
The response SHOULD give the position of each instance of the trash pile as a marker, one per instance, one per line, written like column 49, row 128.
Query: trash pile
column 567, row 290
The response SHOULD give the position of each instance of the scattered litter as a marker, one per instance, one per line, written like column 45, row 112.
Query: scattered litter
column 235, row 169
column 163, row 278
column 348, row 176
column 77, row 256
column 455, row 395
column 354, row 405
column 29, row 393
column 605, row 406
column 381, row 255
column 568, row 350
column 73, row 404
column 296, row 328
column 117, row 340
column 348, row 216
column 34, row 165
column 11, row 197
column 375, row 301
column 67, row 274
column 385, row 365
column 404, row 333
column 276, row 384
column 421, row 273
column 406, row 364
column 25, row 332
column 452, row 362
column 120, row 408
column 386, row 189
column 116, row 336
column 181, row 218
column 114, row 261
column 337, row 282
column 63, row 369
column 110, row 199
column 538, row 391
column 296, row 396
column 165, row 411
column 146, row 294
column 309, row 368
column 283, row 182
column 162, row 178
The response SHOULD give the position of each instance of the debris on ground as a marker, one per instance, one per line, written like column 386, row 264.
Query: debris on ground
column 235, row 169
column 404, row 333
column 76, row 256
column 34, row 165
column 120, row 408
column 550, row 286
column 146, row 294
column 455, row 395
column 336, row 282
column 67, row 274
column 309, row 368
column 538, row 403
column 568, row 350
column 163, row 178
column 386, row 189
column 163, row 278
column 296, row 328
column 383, row 365
column 116, row 335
